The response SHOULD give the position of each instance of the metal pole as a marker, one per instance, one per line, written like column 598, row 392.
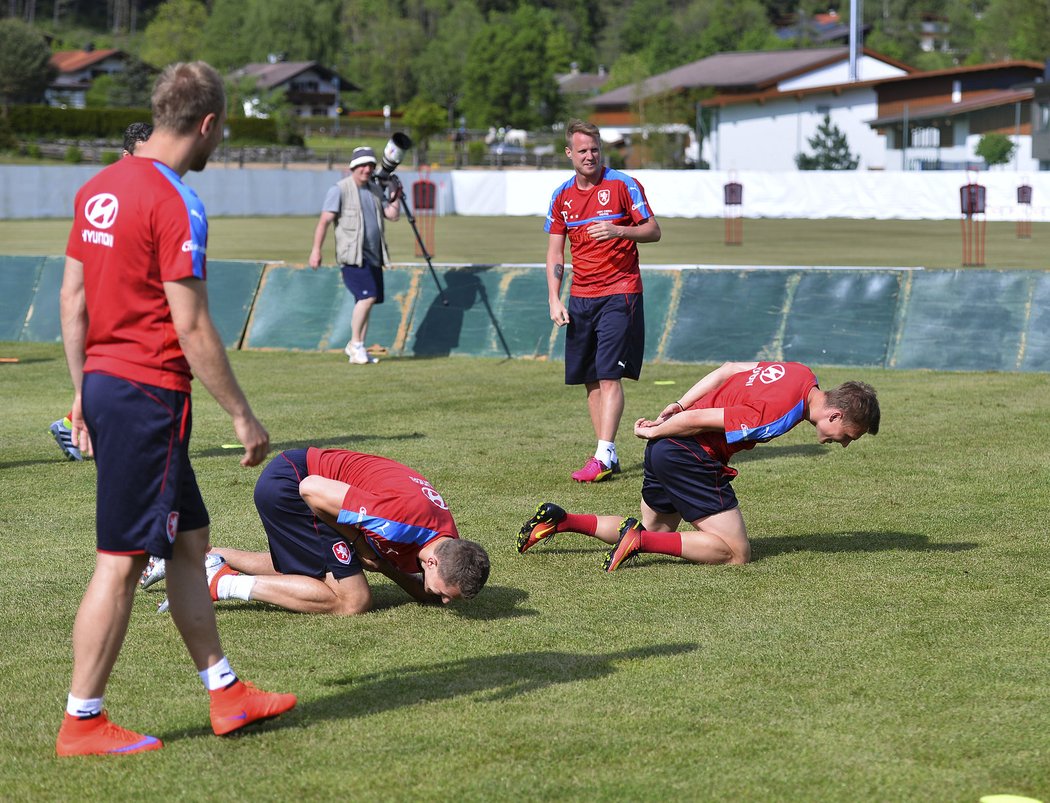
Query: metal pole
column 904, row 141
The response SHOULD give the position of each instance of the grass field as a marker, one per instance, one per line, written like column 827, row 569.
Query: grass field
column 887, row 644
column 904, row 243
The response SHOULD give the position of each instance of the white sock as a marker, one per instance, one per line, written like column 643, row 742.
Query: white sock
column 235, row 586
column 77, row 707
column 218, row 676
column 606, row 452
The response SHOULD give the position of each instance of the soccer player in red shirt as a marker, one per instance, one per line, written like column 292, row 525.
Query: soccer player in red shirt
column 687, row 473
column 329, row 514
column 135, row 322
column 604, row 214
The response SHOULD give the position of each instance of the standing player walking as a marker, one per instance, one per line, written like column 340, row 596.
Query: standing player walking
column 135, row 322
column 604, row 214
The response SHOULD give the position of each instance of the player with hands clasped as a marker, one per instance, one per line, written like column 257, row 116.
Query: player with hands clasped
column 687, row 474
column 357, row 208
column 135, row 324
column 604, row 214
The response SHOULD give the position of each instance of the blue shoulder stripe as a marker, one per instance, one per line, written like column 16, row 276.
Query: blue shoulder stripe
column 633, row 189
column 389, row 530
column 198, row 242
column 768, row 431
column 554, row 197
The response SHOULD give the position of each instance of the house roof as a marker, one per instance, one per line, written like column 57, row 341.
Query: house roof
column 581, row 83
column 1003, row 97
column 67, row 61
column 754, row 71
column 271, row 76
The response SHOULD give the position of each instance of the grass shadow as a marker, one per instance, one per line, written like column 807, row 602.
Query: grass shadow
column 494, row 677
column 762, row 548
column 768, row 452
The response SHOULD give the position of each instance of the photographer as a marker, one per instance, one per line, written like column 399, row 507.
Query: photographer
column 357, row 207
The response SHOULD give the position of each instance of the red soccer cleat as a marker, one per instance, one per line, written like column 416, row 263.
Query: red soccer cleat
column 541, row 526
column 97, row 736
column 627, row 546
column 241, row 703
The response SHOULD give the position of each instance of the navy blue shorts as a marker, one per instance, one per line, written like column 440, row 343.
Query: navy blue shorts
column 300, row 543
column 146, row 489
column 682, row 478
column 605, row 338
column 364, row 282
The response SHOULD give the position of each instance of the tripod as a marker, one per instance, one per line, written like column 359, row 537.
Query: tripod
column 400, row 195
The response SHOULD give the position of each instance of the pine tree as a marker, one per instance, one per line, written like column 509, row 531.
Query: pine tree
column 830, row 150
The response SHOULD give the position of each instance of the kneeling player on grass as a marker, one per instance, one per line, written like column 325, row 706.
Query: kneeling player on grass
column 687, row 473
column 329, row 514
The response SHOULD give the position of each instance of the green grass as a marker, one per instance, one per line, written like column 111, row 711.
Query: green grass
column 887, row 643
column 910, row 243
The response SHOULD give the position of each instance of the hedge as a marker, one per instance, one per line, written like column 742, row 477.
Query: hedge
column 109, row 124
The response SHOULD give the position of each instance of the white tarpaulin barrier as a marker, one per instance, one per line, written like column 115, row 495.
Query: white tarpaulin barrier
column 29, row 192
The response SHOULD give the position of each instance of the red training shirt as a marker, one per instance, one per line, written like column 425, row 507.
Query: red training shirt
column 600, row 268
column 136, row 226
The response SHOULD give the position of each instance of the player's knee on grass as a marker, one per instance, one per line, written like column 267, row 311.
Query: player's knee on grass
column 352, row 597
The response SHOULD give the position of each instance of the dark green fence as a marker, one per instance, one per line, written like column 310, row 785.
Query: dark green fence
column 945, row 319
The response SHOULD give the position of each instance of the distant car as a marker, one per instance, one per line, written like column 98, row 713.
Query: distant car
column 503, row 149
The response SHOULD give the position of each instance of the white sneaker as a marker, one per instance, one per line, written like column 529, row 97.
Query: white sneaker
column 213, row 564
column 153, row 573
column 362, row 357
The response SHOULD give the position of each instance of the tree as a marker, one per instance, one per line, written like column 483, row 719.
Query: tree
column 830, row 150
column 425, row 119
column 174, row 34
column 440, row 64
column 995, row 149
column 510, row 72
column 127, row 89
column 25, row 68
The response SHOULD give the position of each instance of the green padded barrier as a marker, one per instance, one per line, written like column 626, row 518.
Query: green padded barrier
column 231, row 290
column 658, row 291
column 43, row 320
column 385, row 322
column 524, row 316
column 18, row 281
column 964, row 320
column 295, row 308
column 842, row 318
column 469, row 324
column 1037, row 335
column 728, row 315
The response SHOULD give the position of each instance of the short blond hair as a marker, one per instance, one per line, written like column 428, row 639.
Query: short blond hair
column 581, row 127
column 184, row 94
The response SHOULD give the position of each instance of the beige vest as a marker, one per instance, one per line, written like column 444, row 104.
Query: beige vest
column 350, row 225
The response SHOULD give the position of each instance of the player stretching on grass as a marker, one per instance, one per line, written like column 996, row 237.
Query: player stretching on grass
column 135, row 321
column 604, row 214
column 328, row 513
column 687, row 473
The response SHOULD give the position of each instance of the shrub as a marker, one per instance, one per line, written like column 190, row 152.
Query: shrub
column 109, row 157
column 33, row 151
column 74, row 155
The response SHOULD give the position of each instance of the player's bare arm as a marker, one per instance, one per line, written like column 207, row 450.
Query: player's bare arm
column 73, row 311
column 555, row 276
column 646, row 232
column 320, row 230
column 200, row 342
column 691, row 422
column 707, row 383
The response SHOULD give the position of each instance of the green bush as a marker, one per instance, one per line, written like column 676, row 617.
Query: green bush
column 48, row 121
column 109, row 157
column 33, row 151
column 74, row 155
column 476, row 152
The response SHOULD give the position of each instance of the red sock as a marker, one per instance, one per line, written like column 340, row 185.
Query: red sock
column 578, row 523
column 662, row 543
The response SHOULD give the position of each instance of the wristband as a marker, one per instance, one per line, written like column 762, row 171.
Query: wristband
column 680, row 406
